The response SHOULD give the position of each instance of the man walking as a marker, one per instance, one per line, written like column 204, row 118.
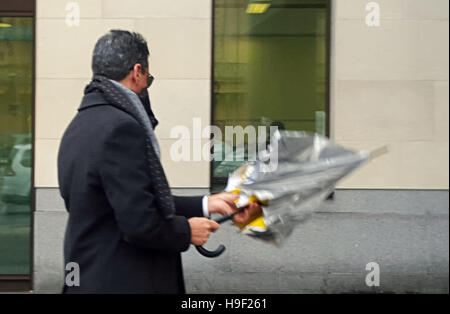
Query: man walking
column 125, row 229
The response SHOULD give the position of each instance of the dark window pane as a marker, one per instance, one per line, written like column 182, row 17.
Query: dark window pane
column 16, row 64
column 270, row 69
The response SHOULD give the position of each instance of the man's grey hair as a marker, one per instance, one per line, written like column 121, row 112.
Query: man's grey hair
column 116, row 53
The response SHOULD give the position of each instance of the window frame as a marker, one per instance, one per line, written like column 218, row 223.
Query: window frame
column 24, row 8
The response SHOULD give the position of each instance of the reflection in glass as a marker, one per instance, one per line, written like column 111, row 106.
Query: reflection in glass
column 269, row 69
column 16, row 61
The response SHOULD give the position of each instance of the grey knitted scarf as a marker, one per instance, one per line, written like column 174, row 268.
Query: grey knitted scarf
column 118, row 97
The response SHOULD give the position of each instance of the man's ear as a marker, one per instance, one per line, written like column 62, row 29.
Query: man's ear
column 135, row 72
column 138, row 69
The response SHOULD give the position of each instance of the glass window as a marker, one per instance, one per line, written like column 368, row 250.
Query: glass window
column 270, row 69
column 16, row 67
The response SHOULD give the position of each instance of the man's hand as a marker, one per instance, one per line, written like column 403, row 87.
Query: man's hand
column 201, row 229
column 223, row 203
column 251, row 212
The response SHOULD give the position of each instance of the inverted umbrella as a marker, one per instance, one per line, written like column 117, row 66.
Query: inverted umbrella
column 290, row 180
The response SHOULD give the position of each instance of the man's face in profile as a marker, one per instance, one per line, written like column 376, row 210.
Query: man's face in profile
column 143, row 78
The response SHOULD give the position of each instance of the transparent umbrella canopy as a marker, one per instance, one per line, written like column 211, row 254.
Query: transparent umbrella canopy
column 290, row 180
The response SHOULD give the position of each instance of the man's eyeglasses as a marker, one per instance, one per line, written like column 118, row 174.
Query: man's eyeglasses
column 150, row 78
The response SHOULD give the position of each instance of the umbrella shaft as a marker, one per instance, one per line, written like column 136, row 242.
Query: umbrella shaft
column 228, row 217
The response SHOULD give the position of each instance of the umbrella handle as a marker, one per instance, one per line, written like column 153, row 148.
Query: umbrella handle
column 211, row 254
column 221, row 247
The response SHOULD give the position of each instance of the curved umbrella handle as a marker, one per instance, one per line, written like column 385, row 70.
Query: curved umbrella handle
column 221, row 247
column 211, row 254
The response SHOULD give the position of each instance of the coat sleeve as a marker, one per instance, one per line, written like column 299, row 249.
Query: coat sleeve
column 125, row 177
column 189, row 206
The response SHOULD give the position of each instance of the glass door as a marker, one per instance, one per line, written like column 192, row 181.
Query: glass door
column 16, row 101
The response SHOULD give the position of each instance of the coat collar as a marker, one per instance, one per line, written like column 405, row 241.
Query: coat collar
column 98, row 99
column 93, row 99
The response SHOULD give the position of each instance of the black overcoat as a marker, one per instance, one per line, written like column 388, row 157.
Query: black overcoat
column 114, row 230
